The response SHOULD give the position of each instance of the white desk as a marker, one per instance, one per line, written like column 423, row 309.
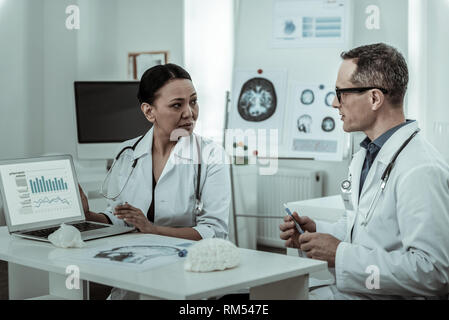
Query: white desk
column 327, row 209
column 268, row 275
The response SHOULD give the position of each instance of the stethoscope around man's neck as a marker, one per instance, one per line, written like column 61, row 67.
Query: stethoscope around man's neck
column 346, row 185
column 198, row 202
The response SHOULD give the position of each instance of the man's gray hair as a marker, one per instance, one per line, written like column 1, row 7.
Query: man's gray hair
column 380, row 65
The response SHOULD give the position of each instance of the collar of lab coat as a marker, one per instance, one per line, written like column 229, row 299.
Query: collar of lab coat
column 384, row 157
column 145, row 145
column 394, row 143
column 186, row 147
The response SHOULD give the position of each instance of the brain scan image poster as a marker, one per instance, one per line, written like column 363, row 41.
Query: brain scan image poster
column 314, row 127
column 258, row 104
column 258, row 99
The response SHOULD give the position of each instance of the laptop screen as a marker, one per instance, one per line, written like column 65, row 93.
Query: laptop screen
column 40, row 191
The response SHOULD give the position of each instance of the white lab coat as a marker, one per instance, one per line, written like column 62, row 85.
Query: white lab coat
column 407, row 234
column 175, row 190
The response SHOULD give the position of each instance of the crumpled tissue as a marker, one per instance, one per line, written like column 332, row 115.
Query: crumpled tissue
column 212, row 255
column 66, row 237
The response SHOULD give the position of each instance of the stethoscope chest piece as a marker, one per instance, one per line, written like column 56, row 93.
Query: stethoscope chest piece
column 346, row 188
column 198, row 205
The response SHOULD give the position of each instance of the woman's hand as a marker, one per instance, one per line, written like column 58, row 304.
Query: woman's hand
column 135, row 217
column 84, row 201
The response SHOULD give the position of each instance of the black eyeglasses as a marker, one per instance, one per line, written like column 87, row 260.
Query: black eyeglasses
column 356, row 90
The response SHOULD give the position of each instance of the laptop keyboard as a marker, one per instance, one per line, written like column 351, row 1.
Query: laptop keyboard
column 82, row 227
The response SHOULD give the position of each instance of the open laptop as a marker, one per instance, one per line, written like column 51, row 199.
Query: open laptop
column 42, row 193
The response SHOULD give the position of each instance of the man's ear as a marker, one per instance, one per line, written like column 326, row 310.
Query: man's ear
column 147, row 110
column 377, row 99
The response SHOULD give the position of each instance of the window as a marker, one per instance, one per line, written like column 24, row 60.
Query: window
column 209, row 51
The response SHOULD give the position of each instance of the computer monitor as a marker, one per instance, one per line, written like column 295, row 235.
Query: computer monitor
column 107, row 114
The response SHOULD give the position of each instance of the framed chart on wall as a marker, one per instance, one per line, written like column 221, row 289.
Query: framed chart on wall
column 310, row 23
column 139, row 62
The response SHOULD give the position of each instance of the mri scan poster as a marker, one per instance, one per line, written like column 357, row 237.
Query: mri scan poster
column 258, row 100
column 309, row 23
column 315, row 127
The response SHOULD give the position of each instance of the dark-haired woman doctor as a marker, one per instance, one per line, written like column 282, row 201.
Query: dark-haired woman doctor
column 159, row 196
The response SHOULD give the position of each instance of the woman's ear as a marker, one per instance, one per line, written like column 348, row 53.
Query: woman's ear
column 147, row 110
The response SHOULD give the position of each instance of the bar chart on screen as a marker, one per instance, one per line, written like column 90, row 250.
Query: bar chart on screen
column 48, row 190
column 43, row 185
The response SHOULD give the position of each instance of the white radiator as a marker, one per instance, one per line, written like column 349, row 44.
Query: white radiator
column 287, row 185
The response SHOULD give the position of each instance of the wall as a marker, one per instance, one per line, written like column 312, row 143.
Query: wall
column 156, row 25
column 98, row 51
column 20, row 85
column 436, row 109
column 34, row 53
column 253, row 41
column 113, row 28
column 97, row 41
column 429, row 49
column 393, row 24
column 60, row 69
column 12, row 31
column 40, row 59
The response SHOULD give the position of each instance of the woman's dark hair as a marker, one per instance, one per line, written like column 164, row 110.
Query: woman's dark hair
column 156, row 77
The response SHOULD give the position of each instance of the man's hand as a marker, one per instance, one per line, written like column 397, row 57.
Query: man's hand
column 135, row 217
column 320, row 246
column 289, row 232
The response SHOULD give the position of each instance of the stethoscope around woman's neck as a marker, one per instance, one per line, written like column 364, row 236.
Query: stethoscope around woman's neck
column 346, row 185
column 198, row 202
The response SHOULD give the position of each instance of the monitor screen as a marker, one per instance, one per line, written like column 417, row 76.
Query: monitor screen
column 108, row 112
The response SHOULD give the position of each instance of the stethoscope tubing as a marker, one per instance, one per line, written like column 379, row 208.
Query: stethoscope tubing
column 133, row 148
column 113, row 198
column 346, row 185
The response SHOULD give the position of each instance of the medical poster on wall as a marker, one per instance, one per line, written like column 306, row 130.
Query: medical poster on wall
column 258, row 100
column 309, row 23
column 314, row 127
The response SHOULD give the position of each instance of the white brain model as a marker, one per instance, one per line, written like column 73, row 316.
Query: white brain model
column 211, row 255
column 66, row 237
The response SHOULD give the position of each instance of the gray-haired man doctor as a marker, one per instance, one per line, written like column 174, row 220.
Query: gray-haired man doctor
column 399, row 192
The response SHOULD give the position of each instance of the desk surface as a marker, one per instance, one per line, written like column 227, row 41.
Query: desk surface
column 169, row 282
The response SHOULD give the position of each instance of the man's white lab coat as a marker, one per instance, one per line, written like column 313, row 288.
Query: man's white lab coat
column 406, row 236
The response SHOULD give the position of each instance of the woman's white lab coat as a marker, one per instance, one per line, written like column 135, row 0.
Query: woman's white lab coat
column 406, row 238
column 175, row 190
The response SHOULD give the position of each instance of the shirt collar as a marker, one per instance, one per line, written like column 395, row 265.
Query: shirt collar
column 379, row 142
